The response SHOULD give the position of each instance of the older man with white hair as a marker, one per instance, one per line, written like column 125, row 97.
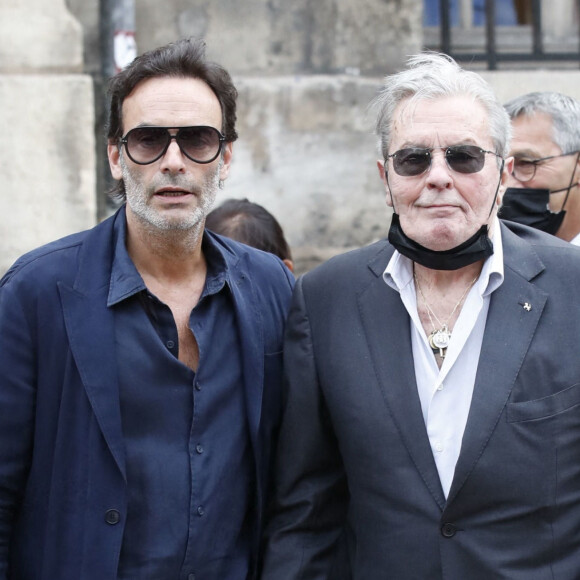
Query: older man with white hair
column 431, row 419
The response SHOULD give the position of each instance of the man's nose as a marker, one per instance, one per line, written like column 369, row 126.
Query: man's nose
column 439, row 173
column 173, row 160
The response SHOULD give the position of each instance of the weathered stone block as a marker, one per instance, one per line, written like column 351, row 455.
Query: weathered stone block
column 279, row 37
column 47, row 160
column 39, row 35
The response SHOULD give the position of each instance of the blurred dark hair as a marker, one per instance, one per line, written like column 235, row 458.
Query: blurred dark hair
column 250, row 224
column 184, row 58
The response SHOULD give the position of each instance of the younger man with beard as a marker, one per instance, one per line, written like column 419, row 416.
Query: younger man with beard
column 140, row 361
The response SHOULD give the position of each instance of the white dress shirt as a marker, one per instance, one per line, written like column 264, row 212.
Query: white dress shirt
column 575, row 240
column 446, row 393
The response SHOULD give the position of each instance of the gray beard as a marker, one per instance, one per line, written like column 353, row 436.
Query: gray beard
column 138, row 196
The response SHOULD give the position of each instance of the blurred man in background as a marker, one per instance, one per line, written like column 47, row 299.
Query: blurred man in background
column 543, row 189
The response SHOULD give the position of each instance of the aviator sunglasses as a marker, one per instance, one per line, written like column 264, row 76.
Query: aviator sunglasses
column 145, row 145
column 414, row 161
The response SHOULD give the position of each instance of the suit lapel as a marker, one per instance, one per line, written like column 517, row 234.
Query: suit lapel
column 514, row 312
column 90, row 328
column 387, row 329
column 91, row 335
column 251, row 334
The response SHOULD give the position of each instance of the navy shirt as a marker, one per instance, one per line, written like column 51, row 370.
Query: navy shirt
column 190, row 470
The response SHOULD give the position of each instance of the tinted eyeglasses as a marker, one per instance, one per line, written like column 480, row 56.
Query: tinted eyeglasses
column 145, row 145
column 414, row 161
column 525, row 169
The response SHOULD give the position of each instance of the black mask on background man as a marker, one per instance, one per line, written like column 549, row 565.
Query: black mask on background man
column 530, row 206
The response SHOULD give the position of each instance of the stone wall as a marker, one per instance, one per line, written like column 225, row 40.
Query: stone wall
column 277, row 37
column 47, row 145
column 306, row 71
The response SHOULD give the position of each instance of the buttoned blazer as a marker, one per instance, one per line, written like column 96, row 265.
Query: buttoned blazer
column 354, row 457
column 62, row 465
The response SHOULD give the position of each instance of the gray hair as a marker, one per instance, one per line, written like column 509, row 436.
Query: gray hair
column 432, row 75
column 564, row 111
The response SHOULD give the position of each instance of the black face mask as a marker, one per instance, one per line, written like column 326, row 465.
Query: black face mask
column 477, row 247
column 529, row 206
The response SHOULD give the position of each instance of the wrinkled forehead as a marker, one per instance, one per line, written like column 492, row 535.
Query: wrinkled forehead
column 171, row 102
column 533, row 128
column 441, row 121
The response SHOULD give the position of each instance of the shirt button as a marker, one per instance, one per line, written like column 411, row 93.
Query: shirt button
column 440, row 387
column 191, row 577
column 200, row 511
column 197, row 387
column 170, row 344
column 438, row 446
column 199, row 449
column 448, row 530
column 112, row 517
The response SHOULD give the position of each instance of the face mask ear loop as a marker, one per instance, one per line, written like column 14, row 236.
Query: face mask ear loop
column 571, row 182
column 497, row 189
column 389, row 185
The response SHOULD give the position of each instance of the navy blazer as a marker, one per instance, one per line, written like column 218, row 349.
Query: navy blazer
column 63, row 490
column 355, row 458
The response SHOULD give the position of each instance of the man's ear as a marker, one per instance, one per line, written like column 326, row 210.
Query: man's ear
column 227, row 160
column 383, row 175
column 508, row 167
column 114, row 155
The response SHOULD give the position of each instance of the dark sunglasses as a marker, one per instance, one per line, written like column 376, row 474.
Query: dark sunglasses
column 461, row 158
column 145, row 145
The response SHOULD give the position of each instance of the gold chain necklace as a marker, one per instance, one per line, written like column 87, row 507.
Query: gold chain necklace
column 440, row 338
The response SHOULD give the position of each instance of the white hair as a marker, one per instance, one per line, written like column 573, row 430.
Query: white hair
column 431, row 75
column 564, row 111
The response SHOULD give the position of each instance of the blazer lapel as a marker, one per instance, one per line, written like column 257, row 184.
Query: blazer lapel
column 251, row 333
column 387, row 329
column 90, row 329
column 514, row 312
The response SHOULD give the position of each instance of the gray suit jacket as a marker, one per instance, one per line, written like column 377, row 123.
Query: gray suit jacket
column 354, row 456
